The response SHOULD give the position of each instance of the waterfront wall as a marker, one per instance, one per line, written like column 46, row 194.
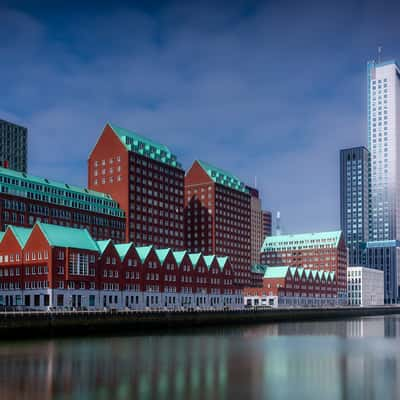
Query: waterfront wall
column 79, row 323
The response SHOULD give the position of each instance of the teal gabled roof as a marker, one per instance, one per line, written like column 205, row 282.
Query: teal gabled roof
column 276, row 272
column 314, row 273
column 102, row 245
column 1, row 235
column 179, row 255
column 223, row 177
column 326, row 275
column 145, row 147
column 300, row 270
column 307, row 273
column 293, row 270
column 122, row 249
column 62, row 236
column 332, row 274
column 320, row 274
column 194, row 258
column 22, row 234
column 162, row 254
column 301, row 241
column 258, row 269
column 143, row 252
column 221, row 262
column 209, row 260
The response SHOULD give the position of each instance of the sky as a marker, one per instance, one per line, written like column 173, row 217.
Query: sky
column 268, row 90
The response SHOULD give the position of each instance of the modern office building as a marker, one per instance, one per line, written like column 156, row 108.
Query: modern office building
column 354, row 201
column 25, row 199
column 324, row 251
column 365, row 286
column 218, row 217
column 267, row 223
column 13, row 146
column 147, row 181
column 384, row 146
column 58, row 267
column 257, row 225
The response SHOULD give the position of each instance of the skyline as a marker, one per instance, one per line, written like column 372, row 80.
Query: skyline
column 240, row 108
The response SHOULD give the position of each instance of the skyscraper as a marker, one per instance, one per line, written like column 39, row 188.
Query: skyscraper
column 354, row 201
column 13, row 147
column 257, row 225
column 383, row 250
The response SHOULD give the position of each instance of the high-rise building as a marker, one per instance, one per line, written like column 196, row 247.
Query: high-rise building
column 354, row 201
column 13, row 146
column 257, row 225
column 325, row 251
column 26, row 199
column 267, row 223
column 384, row 146
column 218, row 217
column 147, row 181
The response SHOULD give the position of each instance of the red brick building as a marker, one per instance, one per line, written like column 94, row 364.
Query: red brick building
column 146, row 180
column 25, row 199
column 218, row 217
column 59, row 267
column 324, row 251
column 294, row 286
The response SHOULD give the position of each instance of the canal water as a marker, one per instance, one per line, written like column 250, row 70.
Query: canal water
column 348, row 359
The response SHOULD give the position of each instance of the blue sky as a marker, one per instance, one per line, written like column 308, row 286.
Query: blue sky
column 270, row 90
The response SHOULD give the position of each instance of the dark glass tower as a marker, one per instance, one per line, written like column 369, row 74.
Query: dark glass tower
column 354, row 201
column 13, row 146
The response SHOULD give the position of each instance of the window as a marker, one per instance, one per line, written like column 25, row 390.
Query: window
column 79, row 264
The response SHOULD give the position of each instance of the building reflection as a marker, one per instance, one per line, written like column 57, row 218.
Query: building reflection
column 269, row 362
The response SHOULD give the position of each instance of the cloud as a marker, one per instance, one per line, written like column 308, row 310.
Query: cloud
column 271, row 90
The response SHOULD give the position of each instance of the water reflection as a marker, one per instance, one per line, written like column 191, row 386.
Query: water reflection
column 294, row 360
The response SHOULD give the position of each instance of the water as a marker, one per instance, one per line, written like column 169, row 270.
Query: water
column 349, row 359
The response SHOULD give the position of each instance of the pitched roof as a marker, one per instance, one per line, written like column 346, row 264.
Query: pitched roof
column 258, row 269
column 222, row 177
column 276, row 272
column 209, row 260
column 179, row 255
column 122, row 249
column 22, row 234
column 143, row 252
column 162, row 254
column 144, row 146
column 62, row 236
column 1, row 235
column 102, row 245
column 222, row 261
column 302, row 241
column 195, row 258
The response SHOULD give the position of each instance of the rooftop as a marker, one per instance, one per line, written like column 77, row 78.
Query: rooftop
column 223, row 177
column 145, row 147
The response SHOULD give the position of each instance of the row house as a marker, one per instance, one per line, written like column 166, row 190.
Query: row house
column 293, row 286
column 55, row 267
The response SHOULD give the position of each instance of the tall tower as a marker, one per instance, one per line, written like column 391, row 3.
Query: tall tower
column 383, row 249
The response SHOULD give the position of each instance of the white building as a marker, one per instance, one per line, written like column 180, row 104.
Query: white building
column 365, row 286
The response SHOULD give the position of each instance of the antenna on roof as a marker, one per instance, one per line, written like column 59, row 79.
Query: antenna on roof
column 379, row 54
column 255, row 181
column 278, row 223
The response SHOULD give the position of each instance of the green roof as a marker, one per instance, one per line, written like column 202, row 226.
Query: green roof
column 209, row 260
column 179, row 255
column 276, row 272
column 2, row 235
column 223, row 177
column 42, row 189
column 314, row 273
column 307, row 273
column 143, row 252
column 102, row 245
column 301, row 241
column 326, row 274
column 162, row 254
column 194, row 258
column 145, row 147
column 62, row 236
column 222, row 261
column 300, row 270
column 258, row 269
column 122, row 249
column 22, row 234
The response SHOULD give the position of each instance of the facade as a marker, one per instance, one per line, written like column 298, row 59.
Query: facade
column 354, row 201
column 13, row 146
column 146, row 180
column 25, row 199
column 267, row 223
column 294, row 286
column 55, row 267
column 218, row 217
column 365, row 286
column 323, row 251
column 257, row 225
column 384, row 146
